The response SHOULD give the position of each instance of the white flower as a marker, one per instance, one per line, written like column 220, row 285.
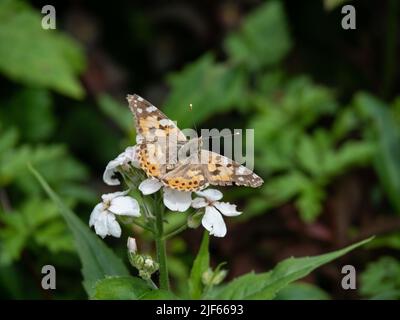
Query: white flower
column 131, row 244
column 129, row 155
column 174, row 200
column 103, row 215
column 212, row 219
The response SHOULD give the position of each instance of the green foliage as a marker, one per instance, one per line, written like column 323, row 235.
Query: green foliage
column 201, row 84
column 120, row 114
column 302, row 291
column 159, row 294
column 263, row 39
column 302, row 160
column 332, row 4
column 53, row 160
column 35, row 223
column 36, row 106
column 385, row 130
column 128, row 288
column 200, row 265
column 381, row 279
column 98, row 261
column 267, row 285
column 37, row 57
column 120, row 288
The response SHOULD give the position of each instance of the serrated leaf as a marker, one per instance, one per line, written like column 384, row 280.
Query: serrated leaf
column 201, row 84
column 381, row 279
column 98, row 261
column 266, row 285
column 263, row 39
column 309, row 201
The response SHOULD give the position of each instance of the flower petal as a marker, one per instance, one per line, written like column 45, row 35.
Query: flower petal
column 132, row 156
column 176, row 200
column 211, row 194
column 109, row 172
column 199, row 203
column 100, row 225
column 213, row 222
column 227, row 209
column 113, row 227
column 129, row 155
column 97, row 210
column 126, row 206
column 110, row 196
column 150, row 186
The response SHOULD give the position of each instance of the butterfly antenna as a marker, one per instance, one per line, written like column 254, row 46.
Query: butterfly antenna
column 191, row 116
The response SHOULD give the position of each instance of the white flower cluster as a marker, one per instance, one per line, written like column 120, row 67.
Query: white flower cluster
column 103, row 216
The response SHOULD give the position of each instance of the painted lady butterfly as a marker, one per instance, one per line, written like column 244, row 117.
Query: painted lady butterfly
column 159, row 143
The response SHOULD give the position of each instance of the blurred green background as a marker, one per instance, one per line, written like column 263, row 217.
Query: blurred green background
column 324, row 103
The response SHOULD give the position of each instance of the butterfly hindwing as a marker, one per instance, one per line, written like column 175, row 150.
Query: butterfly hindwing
column 214, row 169
column 186, row 177
column 222, row 171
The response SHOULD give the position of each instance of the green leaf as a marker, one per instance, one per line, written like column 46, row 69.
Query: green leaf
column 98, row 261
column 201, row 84
column 30, row 110
column 264, row 38
column 330, row 5
column 200, row 265
column 381, row 279
column 36, row 220
column 118, row 113
column 284, row 187
column 387, row 133
column 302, row 291
column 120, row 288
column 159, row 294
column 37, row 57
column 310, row 201
column 267, row 285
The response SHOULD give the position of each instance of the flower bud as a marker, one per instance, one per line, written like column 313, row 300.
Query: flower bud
column 219, row 276
column 206, row 277
column 132, row 248
column 213, row 278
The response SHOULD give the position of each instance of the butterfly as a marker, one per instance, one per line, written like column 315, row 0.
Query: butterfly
column 159, row 142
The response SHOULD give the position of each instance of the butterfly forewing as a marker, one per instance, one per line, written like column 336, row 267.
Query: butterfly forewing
column 159, row 145
column 158, row 137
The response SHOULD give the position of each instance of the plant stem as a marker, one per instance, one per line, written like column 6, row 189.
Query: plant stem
column 176, row 231
column 161, row 249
